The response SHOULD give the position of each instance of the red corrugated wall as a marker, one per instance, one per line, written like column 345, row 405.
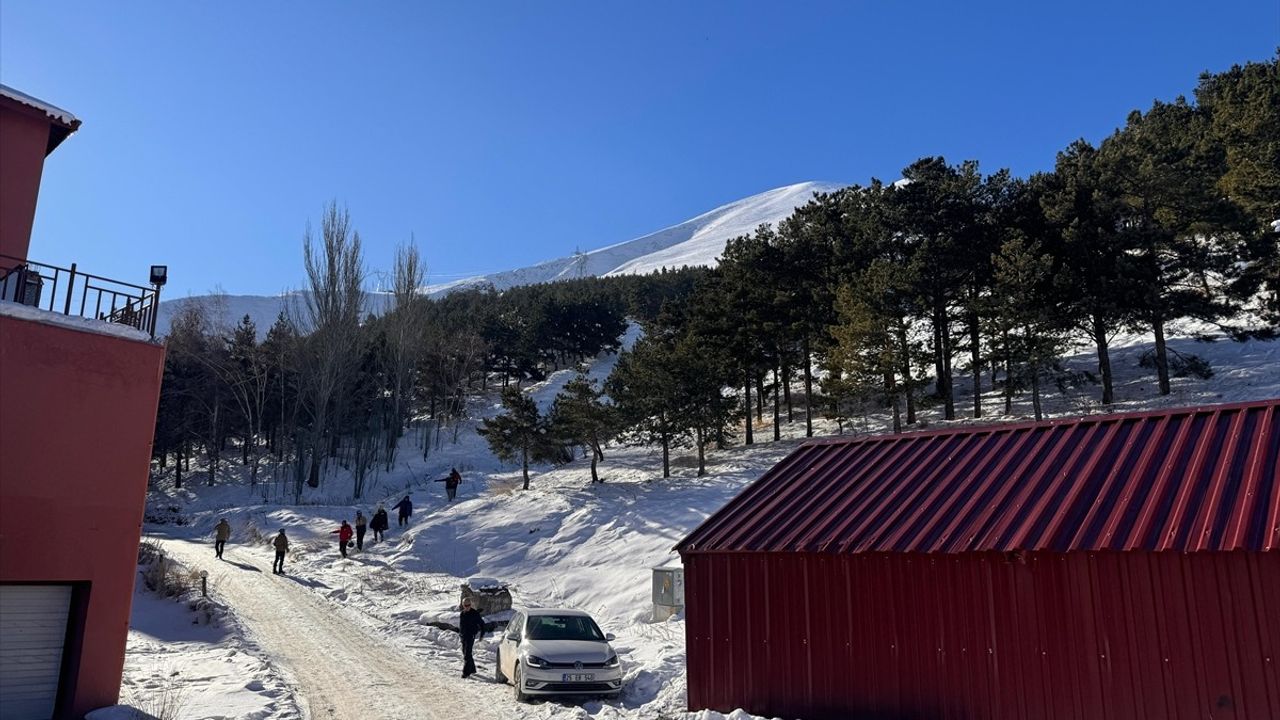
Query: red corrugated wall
column 978, row 636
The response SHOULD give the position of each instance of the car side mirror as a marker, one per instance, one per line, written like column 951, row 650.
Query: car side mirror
column 610, row 637
column 513, row 637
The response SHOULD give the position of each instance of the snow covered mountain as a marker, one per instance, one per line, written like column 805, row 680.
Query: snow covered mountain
column 695, row 242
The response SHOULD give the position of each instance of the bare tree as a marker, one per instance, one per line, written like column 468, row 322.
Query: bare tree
column 332, row 309
column 404, row 341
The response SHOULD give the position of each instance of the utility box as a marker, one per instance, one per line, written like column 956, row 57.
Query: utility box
column 668, row 592
column 487, row 595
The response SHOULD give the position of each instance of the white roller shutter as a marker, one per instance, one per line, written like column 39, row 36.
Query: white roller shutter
column 33, row 626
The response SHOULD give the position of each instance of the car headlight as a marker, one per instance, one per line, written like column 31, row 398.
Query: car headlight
column 612, row 661
column 535, row 661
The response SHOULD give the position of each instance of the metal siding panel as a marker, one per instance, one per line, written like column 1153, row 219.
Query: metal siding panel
column 1183, row 479
column 1087, row 480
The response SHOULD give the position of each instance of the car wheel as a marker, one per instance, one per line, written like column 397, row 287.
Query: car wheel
column 497, row 668
column 518, row 683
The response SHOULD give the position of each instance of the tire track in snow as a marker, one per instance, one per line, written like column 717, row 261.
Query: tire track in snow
column 341, row 667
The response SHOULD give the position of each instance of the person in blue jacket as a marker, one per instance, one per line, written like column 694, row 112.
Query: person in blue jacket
column 405, row 510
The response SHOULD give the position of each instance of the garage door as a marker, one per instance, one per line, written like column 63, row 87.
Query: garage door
column 33, row 626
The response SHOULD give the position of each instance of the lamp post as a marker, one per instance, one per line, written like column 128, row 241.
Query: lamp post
column 159, row 276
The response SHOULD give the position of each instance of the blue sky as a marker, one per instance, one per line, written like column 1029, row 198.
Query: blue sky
column 500, row 134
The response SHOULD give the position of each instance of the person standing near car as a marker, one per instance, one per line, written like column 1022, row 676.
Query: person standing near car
column 361, row 523
column 221, row 534
column 470, row 626
column 282, row 546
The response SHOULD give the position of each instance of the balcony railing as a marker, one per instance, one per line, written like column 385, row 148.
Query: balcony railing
column 71, row 292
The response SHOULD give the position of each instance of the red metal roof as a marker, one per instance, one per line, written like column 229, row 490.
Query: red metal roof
column 1185, row 479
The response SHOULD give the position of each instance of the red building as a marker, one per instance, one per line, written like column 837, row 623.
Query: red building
column 79, row 381
column 1116, row 566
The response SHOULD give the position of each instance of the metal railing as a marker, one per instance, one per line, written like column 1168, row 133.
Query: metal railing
column 71, row 292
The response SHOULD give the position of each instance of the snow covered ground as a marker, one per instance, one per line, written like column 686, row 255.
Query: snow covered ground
column 563, row 542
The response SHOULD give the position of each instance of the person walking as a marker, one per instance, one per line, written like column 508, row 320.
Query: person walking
column 361, row 523
column 344, row 534
column 282, row 546
column 380, row 523
column 404, row 509
column 451, row 483
column 221, row 534
column 471, row 626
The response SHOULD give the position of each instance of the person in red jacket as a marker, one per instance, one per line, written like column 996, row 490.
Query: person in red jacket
column 344, row 534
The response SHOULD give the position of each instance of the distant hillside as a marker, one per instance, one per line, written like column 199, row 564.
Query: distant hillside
column 696, row 242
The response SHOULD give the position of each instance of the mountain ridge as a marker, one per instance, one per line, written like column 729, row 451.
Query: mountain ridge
column 698, row 241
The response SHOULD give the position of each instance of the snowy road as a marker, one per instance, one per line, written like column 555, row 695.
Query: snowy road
column 340, row 666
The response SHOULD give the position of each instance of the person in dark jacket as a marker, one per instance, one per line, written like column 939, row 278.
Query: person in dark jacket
column 380, row 523
column 361, row 524
column 471, row 626
column 344, row 534
column 221, row 534
column 405, row 510
column 282, row 546
column 451, row 483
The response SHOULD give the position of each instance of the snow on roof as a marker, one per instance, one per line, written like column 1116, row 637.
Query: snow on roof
column 53, row 111
column 74, row 322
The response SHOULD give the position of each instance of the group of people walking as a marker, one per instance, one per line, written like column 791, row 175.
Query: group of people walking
column 349, row 534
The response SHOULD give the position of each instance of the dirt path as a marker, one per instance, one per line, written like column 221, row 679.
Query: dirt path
column 341, row 667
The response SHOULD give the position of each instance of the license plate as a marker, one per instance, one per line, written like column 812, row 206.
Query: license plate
column 578, row 677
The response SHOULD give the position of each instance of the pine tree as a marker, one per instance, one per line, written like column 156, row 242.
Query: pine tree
column 1096, row 277
column 1021, row 309
column 1188, row 237
column 579, row 417
column 643, row 388
column 869, row 352
column 520, row 432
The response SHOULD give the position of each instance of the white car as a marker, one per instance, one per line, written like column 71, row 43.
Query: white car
column 552, row 651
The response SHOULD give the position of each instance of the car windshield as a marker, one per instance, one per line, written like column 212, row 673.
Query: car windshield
column 563, row 627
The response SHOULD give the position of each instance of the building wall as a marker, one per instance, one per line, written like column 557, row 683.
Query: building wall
column 1087, row 636
column 24, row 138
column 77, row 415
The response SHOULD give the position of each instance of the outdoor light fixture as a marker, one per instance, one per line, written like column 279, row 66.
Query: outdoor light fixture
column 159, row 274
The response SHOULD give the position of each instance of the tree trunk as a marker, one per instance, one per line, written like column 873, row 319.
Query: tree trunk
column 1104, row 359
column 702, row 460
column 524, row 466
column 177, row 469
column 808, row 390
column 594, row 477
column 777, row 384
column 1008, row 379
column 1162, row 357
column 904, row 349
column 1035, row 390
column 942, row 359
column 975, row 350
column 760, row 398
column 892, row 395
column 747, row 399
column 786, row 391
column 666, row 456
